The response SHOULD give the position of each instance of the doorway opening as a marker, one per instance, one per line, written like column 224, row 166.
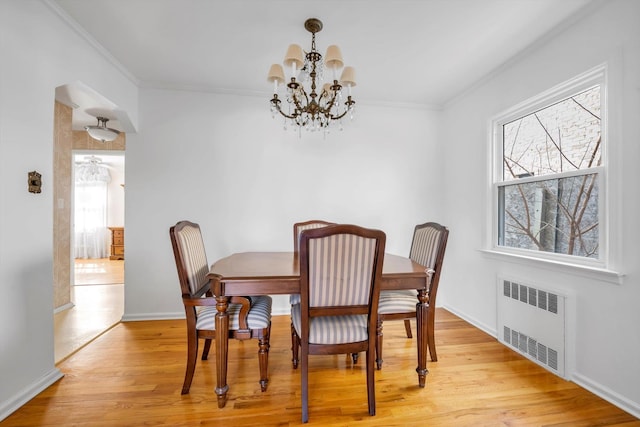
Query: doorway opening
column 97, row 291
column 87, row 305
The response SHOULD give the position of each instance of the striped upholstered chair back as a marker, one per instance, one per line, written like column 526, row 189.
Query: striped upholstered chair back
column 299, row 227
column 191, row 257
column 338, row 265
column 340, row 274
column 427, row 248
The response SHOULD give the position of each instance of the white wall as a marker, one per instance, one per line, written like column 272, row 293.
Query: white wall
column 605, row 316
column 39, row 52
column 115, row 195
column 222, row 161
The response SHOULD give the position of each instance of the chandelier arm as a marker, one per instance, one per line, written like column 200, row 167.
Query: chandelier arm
column 338, row 117
column 331, row 103
column 298, row 105
column 287, row 115
column 349, row 103
column 323, row 96
column 336, row 88
column 277, row 105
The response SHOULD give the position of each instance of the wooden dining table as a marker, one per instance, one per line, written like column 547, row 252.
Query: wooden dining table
column 275, row 273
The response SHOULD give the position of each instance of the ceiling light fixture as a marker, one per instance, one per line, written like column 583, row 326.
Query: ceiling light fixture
column 316, row 107
column 101, row 132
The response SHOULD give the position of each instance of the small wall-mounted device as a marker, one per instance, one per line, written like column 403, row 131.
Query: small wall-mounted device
column 35, row 182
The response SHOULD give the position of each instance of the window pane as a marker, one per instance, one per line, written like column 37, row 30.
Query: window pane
column 555, row 215
column 560, row 138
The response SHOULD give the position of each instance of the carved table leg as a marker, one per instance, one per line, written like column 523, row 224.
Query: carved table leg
column 263, row 358
column 222, row 349
column 422, row 313
column 295, row 347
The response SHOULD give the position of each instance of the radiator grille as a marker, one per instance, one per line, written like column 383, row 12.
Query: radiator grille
column 532, row 322
column 527, row 294
column 529, row 346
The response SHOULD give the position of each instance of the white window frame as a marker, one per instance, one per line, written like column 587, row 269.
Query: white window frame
column 566, row 263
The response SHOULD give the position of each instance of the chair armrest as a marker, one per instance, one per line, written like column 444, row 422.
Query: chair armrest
column 245, row 303
column 430, row 272
column 243, row 331
column 192, row 302
column 204, row 290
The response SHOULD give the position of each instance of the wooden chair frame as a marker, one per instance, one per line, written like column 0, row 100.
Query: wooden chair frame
column 308, row 312
column 298, row 228
column 204, row 297
column 433, row 280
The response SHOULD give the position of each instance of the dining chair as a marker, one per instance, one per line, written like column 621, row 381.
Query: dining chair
column 249, row 317
column 299, row 227
column 427, row 248
column 340, row 273
column 294, row 299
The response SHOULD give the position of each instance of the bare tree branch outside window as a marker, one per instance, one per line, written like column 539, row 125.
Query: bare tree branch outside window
column 550, row 213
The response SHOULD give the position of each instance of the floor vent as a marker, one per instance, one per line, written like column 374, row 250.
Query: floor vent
column 531, row 320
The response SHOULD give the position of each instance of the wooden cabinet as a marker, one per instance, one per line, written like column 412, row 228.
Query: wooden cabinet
column 117, row 243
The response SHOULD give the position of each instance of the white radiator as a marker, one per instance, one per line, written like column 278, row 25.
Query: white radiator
column 532, row 321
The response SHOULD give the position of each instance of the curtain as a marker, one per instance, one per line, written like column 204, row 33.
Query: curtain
column 91, row 235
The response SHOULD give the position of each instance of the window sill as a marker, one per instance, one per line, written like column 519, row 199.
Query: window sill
column 589, row 272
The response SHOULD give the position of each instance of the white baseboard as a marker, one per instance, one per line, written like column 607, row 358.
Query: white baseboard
column 12, row 405
column 598, row 389
column 282, row 312
column 132, row 317
column 609, row 395
column 64, row 307
column 489, row 330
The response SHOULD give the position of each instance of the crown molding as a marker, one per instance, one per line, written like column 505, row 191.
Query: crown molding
column 78, row 29
column 265, row 94
column 73, row 24
column 586, row 10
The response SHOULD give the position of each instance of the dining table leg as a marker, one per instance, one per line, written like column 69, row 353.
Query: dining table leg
column 422, row 312
column 222, row 349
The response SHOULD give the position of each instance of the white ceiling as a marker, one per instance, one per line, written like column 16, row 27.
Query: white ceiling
column 406, row 52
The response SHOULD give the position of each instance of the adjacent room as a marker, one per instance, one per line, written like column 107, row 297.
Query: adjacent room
column 96, row 297
column 480, row 149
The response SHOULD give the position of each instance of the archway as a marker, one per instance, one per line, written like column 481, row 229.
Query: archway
column 77, row 105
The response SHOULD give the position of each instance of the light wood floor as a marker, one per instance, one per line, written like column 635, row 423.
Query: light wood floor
column 132, row 375
column 101, row 271
column 98, row 297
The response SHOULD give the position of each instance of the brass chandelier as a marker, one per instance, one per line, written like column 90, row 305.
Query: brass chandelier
column 320, row 105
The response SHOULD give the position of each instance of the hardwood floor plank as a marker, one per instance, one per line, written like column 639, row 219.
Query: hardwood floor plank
column 132, row 375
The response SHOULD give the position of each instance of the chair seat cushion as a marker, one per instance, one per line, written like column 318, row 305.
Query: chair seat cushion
column 397, row 301
column 332, row 329
column 259, row 315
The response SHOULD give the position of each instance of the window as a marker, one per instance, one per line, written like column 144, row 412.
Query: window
column 91, row 235
column 549, row 171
